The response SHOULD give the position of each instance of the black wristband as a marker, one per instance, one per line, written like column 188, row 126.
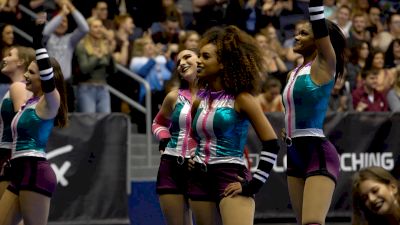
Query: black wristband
column 45, row 70
column 317, row 19
column 163, row 144
column 250, row 188
column 316, row 3
column 38, row 36
column 267, row 160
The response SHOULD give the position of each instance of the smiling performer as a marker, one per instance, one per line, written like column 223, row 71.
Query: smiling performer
column 14, row 66
column 172, row 127
column 376, row 197
column 33, row 181
column 312, row 161
column 230, row 64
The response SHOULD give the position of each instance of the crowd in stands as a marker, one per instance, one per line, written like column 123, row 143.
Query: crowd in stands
column 89, row 38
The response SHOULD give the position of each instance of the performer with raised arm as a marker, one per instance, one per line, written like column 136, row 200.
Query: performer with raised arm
column 33, row 181
column 312, row 161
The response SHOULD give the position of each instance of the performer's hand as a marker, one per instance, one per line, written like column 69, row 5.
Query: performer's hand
column 283, row 134
column 191, row 163
column 38, row 30
column 163, row 144
column 234, row 188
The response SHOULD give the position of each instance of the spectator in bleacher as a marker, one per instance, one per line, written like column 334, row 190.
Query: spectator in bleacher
column 8, row 11
column 293, row 59
column 271, row 11
column 170, row 8
column 150, row 63
column 100, row 11
column 270, row 97
column 122, row 55
column 366, row 98
column 376, row 197
column 341, row 99
column 273, row 42
column 35, row 5
column 124, row 29
column 249, row 16
column 330, row 8
column 189, row 39
column 166, row 31
column 360, row 6
column 96, row 63
column 186, row 8
column 374, row 23
column 386, row 76
column 358, row 32
column 357, row 61
column 339, row 3
column 383, row 39
column 275, row 66
column 144, row 12
column 6, row 43
column 7, row 38
column 61, row 45
column 343, row 19
column 393, row 96
column 207, row 13
column 392, row 55
column 32, row 9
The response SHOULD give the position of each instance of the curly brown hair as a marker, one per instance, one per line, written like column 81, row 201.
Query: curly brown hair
column 241, row 57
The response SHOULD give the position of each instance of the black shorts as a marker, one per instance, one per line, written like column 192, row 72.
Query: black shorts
column 32, row 174
column 310, row 156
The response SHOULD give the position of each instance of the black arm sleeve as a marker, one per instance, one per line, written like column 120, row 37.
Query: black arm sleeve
column 268, row 157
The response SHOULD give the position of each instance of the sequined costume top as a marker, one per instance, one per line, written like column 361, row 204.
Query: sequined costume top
column 221, row 132
column 30, row 133
column 305, row 103
column 7, row 113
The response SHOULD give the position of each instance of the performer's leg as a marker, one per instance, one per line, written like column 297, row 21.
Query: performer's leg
column 296, row 188
column 9, row 209
column 3, row 187
column 315, row 207
column 35, row 207
column 175, row 209
column 238, row 210
column 205, row 212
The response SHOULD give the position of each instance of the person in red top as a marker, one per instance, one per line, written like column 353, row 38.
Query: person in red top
column 366, row 97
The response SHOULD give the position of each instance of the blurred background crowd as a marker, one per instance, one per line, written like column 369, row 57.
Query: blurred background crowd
column 89, row 38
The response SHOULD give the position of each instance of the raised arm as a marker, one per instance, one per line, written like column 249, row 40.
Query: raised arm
column 49, row 104
column 324, row 67
column 82, row 27
column 52, row 25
